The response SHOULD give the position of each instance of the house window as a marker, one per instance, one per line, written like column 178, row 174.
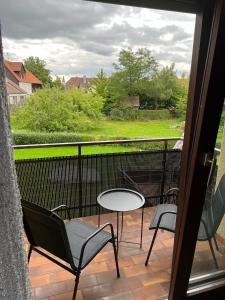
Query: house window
column 14, row 100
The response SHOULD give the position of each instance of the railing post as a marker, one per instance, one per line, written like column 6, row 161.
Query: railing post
column 164, row 170
column 80, row 181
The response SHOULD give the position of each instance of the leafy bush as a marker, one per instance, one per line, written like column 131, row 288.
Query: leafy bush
column 25, row 138
column 127, row 113
column 153, row 114
column 52, row 110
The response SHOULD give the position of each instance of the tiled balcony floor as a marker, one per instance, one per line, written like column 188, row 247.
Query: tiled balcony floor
column 98, row 280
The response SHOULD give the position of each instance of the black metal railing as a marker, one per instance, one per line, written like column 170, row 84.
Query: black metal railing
column 77, row 180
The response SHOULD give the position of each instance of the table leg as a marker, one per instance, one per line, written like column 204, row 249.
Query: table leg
column 142, row 223
column 121, row 231
column 99, row 216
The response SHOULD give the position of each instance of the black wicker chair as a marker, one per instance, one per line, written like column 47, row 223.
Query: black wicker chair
column 74, row 242
column 213, row 212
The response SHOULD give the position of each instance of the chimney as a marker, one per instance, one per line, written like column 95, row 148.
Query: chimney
column 84, row 79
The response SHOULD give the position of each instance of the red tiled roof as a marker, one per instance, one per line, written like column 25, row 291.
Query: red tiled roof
column 14, row 67
column 12, row 88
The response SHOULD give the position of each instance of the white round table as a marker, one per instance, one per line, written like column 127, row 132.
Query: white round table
column 122, row 200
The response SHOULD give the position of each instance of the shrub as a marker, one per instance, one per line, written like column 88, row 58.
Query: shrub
column 52, row 110
column 127, row 113
column 25, row 138
column 160, row 114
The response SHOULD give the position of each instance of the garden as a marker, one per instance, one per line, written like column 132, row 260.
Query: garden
column 55, row 115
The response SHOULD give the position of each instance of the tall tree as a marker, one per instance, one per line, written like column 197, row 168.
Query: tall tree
column 134, row 67
column 14, row 282
column 38, row 67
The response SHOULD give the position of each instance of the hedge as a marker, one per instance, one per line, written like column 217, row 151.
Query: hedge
column 25, row 138
column 121, row 114
column 144, row 114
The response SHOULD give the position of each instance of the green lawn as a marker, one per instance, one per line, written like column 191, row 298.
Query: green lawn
column 109, row 130
column 137, row 129
column 66, row 151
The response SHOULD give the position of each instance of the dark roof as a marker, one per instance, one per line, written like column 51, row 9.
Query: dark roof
column 79, row 82
column 15, row 67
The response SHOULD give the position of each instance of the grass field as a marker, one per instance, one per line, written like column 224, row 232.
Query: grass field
column 109, row 130
column 135, row 129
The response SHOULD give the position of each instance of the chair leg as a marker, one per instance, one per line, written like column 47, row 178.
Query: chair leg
column 216, row 244
column 116, row 257
column 76, row 286
column 29, row 253
column 213, row 253
column 151, row 246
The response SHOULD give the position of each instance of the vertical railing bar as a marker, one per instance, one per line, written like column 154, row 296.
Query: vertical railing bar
column 80, row 181
column 72, row 183
column 164, row 170
column 96, row 182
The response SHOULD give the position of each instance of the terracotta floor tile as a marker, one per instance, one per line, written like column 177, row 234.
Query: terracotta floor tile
column 97, row 291
column 37, row 281
column 152, row 292
column 98, row 280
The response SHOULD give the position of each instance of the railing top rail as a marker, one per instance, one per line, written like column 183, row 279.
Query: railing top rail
column 94, row 143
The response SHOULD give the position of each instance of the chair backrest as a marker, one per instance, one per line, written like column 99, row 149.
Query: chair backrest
column 215, row 209
column 46, row 229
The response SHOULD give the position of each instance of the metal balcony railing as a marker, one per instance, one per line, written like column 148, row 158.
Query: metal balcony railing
column 77, row 180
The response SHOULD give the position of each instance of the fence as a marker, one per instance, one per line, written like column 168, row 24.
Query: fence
column 77, row 180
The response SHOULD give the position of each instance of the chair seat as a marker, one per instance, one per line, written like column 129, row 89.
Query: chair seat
column 168, row 221
column 78, row 232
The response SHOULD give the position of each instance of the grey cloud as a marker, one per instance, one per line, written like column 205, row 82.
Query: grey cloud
column 75, row 25
column 48, row 18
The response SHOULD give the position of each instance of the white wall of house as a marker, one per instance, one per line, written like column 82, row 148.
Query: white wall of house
column 16, row 99
column 27, row 87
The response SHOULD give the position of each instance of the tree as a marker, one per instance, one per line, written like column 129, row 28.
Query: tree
column 134, row 68
column 165, row 90
column 100, row 84
column 38, row 67
column 52, row 109
column 57, row 83
column 14, row 280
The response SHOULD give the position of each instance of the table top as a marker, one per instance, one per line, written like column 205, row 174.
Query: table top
column 120, row 199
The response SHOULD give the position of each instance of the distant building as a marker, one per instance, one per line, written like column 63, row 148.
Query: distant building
column 79, row 82
column 16, row 95
column 133, row 101
column 19, row 75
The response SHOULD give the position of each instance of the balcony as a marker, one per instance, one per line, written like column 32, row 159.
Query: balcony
column 99, row 281
column 76, row 181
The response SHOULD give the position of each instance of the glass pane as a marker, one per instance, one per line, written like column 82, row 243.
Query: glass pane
column 209, row 259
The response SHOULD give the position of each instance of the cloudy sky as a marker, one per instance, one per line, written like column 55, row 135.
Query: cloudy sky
column 75, row 37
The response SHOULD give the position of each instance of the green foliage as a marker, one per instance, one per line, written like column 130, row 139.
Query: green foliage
column 165, row 90
column 52, row 109
column 133, row 68
column 57, row 83
column 123, row 113
column 38, row 67
column 27, row 137
column 137, row 73
column 160, row 114
column 127, row 113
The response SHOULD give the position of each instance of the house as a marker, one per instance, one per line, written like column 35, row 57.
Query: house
column 19, row 75
column 16, row 95
column 79, row 82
